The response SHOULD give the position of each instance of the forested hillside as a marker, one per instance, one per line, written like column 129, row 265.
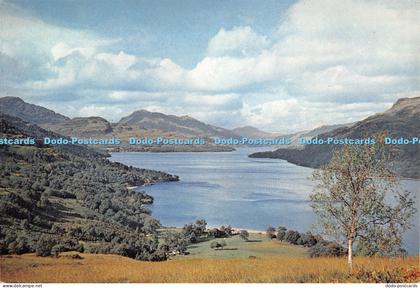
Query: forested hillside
column 68, row 197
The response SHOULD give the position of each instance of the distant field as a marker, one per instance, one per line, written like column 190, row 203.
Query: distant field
column 258, row 245
column 113, row 268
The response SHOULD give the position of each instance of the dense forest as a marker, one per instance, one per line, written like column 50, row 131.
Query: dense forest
column 59, row 198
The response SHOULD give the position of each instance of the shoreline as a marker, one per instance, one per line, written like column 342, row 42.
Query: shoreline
column 234, row 229
column 251, row 231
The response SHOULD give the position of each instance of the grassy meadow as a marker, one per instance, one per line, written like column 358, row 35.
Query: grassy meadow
column 257, row 246
column 259, row 260
column 114, row 268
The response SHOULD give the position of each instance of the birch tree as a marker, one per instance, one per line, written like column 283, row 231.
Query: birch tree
column 358, row 201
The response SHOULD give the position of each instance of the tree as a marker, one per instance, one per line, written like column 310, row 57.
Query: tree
column 44, row 246
column 292, row 237
column 200, row 227
column 307, row 239
column 327, row 248
column 174, row 243
column 271, row 232
column 229, row 230
column 244, row 235
column 193, row 232
column 351, row 202
column 281, row 232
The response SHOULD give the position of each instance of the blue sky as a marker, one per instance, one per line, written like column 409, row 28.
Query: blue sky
column 179, row 30
column 277, row 65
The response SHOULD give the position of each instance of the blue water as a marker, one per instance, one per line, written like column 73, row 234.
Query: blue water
column 228, row 188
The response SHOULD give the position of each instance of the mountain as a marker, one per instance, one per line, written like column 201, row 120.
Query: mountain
column 401, row 120
column 253, row 132
column 35, row 114
column 174, row 124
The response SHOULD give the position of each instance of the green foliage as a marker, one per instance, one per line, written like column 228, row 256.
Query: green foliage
column 193, row 231
column 222, row 232
column 271, row 232
column 327, row 248
column 174, row 243
column 281, row 233
column 352, row 203
column 292, row 236
column 18, row 245
column 244, row 235
column 44, row 246
column 74, row 196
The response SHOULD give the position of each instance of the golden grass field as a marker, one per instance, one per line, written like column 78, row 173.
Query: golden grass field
column 112, row 268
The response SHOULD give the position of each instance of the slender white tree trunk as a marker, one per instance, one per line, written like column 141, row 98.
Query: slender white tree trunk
column 350, row 255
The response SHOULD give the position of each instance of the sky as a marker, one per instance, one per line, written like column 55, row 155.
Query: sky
column 281, row 66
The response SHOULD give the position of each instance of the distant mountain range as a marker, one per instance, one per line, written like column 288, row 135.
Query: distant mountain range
column 139, row 124
column 401, row 120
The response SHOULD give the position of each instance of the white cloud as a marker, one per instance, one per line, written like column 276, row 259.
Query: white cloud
column 120, row 61
column 291, row 114
column 328, row 62
column 240, row 41
column 62, row 50
column 375, row 42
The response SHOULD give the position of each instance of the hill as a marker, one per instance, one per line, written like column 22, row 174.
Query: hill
column 81, row 127
column 176, row 124
column 35, row 114
column 401, row 120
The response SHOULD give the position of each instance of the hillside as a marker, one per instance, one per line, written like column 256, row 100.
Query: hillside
column 35, row 114
column 401, row 120
column 276, row 269
column 71, row 197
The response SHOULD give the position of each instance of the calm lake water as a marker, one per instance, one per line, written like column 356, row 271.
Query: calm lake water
column 228, row 188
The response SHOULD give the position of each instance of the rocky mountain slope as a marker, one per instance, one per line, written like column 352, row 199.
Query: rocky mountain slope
column 81, row 126
column 35, row 114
